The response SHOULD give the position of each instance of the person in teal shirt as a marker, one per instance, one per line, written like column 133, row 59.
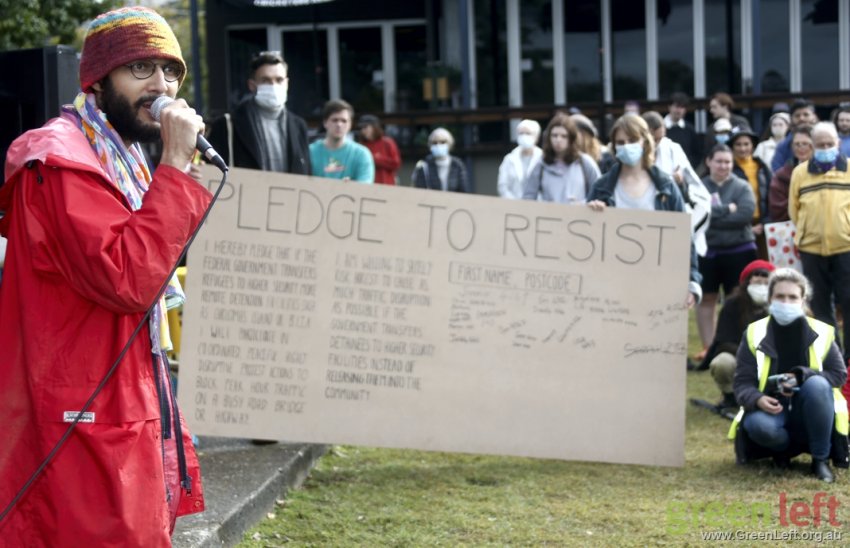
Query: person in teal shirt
column 335, row 156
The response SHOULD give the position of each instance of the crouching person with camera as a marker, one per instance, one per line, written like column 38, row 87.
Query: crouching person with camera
column 788, row 383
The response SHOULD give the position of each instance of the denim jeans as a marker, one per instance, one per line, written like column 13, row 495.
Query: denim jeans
column 809, row 420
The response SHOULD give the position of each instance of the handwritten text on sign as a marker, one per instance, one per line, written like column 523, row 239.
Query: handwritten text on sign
column 329, row 312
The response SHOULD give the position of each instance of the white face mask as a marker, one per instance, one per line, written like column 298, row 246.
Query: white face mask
column 778, row 130
column 758, row 293
column 271, row 96
column 525, row 140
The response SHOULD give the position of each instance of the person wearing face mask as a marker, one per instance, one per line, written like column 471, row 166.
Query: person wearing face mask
column 636, row 183
column 564, row 173
column 745, row 305
column 777, row 200
column 720, row 107
column 262, row 133
column 519, row 162
column 802, row 114
column 440, row 170
column 778, row 127
column 804, row 411
column 818, row 204
column 731, row 245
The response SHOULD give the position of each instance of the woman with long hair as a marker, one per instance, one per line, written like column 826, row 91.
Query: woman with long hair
column 590, row 144
column 745, row 305
column 564, row 173
column 634, row 182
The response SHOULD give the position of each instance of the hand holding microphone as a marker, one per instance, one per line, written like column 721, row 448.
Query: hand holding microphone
column 177, row 126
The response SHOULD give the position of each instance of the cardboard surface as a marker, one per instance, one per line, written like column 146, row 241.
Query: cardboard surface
column 331, row 312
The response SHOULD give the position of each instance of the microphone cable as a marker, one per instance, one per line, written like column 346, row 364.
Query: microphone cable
column 121, row 355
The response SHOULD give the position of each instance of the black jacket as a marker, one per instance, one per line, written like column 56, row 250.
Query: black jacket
column 425, row 175
column 668, row 198
column 746, row 381
column 246, row 135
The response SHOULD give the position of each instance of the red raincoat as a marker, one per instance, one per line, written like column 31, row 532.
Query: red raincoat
column 81, row 269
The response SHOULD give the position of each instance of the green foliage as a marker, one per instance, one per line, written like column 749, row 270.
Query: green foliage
column 37, row 23
column 178, row 15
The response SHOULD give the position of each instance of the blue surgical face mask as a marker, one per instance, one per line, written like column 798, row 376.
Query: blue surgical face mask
column 630, row 153
column 439, row 150
column 722, row 138
column 785, row 313
column 826, row 156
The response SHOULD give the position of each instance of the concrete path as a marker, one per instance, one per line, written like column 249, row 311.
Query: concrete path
column 241, row 483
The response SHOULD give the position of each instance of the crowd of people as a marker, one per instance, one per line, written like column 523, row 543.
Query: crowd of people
column 93, row 232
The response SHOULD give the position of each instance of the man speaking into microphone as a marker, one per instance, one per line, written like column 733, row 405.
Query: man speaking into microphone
column 92, row 238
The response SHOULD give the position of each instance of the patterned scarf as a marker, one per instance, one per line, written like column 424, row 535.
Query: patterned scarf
column 128, row 171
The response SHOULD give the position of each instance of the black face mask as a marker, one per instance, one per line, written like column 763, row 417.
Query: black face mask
column 124, row 117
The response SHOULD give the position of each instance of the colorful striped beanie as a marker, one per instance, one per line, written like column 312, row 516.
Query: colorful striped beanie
column 123, row 35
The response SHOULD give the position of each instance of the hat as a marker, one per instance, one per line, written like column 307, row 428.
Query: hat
column 584, row 123
column 368, row 120
column 722, row 124
column 123, row 35
column 751, row 268
column 780, row 116
column 738, row 132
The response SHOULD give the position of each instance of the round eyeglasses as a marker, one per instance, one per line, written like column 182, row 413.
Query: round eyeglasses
column 143, row 70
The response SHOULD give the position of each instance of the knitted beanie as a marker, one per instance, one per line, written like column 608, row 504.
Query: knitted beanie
column 123, row 35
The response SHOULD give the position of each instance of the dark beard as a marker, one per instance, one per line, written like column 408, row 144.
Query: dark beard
column 124, row 117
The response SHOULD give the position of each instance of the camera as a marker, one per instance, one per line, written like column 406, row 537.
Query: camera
column 783, row 384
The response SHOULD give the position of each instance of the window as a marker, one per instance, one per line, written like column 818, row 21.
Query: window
column 536, row 52
column 582, row 44
column 773, row 68
column 722, row 46
column 242, row 44
column 306, row 54
column 491, row 53
column 819, row 44
column 411, row 59
column 628, row 42
column 361, row 74
column 675, row 47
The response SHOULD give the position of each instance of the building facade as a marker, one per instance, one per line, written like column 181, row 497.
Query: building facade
column 431, row 56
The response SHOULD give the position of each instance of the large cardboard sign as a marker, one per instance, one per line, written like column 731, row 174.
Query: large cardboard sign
column 323, row 311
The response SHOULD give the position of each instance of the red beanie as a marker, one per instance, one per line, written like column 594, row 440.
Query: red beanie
column 758, row 264
column 123, row 35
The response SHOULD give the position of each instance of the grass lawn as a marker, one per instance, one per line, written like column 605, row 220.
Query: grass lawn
column 381, row 497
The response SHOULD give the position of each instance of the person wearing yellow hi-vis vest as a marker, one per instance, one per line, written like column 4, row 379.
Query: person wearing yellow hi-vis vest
column 802, row 407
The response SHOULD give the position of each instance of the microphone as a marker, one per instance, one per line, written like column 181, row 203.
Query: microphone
column 203, row 146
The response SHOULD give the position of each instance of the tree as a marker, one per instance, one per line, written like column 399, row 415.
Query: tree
column 37, row 23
